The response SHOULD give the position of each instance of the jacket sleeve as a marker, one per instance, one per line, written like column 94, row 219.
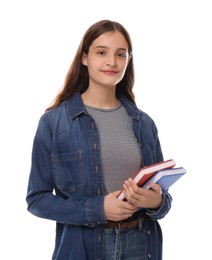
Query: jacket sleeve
column 41, row 198
column 167, row 198
column 163, row 210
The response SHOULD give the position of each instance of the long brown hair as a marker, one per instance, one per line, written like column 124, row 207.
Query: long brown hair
column 77, row 77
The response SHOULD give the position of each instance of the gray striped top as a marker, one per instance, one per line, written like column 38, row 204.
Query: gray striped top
column 120, row 151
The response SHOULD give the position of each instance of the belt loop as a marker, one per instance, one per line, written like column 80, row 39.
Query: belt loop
column 140, row 224
column 119, row 225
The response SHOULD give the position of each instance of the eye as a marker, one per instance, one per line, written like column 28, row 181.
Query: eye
column 122, row 55
column 101, row 53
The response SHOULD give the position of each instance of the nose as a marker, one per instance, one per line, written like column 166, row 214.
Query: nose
column 111, row 61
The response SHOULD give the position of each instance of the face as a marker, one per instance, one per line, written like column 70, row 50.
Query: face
column 107, row 59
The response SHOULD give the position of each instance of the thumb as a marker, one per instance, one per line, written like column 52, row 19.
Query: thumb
column 116, row 193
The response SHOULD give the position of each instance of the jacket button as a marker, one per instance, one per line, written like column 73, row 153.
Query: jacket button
column 99, row 239
column 93, row 125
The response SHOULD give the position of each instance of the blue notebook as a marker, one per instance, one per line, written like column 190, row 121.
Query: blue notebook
column 165, row 178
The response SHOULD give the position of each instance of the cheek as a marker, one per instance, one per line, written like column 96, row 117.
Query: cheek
column 123, row 64
column 92, row 69
column 93, row 63
column 124, row 67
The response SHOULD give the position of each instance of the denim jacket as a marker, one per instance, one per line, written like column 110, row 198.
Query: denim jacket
column 66, row 179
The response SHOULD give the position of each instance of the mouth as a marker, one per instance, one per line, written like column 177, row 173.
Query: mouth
column 109, row 72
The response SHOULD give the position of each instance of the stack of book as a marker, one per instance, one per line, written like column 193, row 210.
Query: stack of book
column 163, row 173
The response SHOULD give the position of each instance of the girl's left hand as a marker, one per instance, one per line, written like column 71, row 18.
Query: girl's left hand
column 143, row 198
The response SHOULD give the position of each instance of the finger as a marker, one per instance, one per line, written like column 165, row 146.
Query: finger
column 130, row 209
column 116, row 193
column 132, row 198
column 135, row 188
column 131, row 185
column 131, row 181
column 128, row 189
column 156, row 187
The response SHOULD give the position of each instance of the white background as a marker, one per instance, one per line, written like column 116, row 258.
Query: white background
column 173, row 65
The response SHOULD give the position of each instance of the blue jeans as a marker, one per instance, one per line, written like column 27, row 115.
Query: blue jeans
column 125, row 244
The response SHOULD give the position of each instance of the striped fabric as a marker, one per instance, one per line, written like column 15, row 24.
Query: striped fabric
column 121, row 156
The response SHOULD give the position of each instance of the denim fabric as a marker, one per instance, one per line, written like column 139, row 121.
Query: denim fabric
column 66, row 179
column 125, row 244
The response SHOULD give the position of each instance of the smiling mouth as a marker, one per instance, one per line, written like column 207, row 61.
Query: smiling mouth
column 110, row 72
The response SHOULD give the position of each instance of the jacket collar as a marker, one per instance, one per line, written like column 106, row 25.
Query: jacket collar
column 76, row 106
column 131, row 108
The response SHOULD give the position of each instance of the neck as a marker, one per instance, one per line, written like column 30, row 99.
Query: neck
column 100, row 98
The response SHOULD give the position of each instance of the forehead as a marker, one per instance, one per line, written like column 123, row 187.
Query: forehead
column 112, row 39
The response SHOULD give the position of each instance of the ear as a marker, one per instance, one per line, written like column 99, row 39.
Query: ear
column 130, row 57
column 84, row 59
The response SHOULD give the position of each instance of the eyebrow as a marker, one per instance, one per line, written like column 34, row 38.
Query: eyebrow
column 105, row 47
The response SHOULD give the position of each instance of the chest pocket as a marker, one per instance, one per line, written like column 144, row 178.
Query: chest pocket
column 68, row 171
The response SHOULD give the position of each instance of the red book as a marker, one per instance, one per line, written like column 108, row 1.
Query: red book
column 145, row 173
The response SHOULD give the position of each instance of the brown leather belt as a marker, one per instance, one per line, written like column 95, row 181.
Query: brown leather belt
column 124, row 224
